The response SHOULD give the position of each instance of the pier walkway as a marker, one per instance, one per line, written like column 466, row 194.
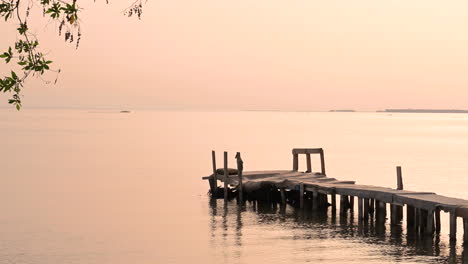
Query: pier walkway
column 317, row 191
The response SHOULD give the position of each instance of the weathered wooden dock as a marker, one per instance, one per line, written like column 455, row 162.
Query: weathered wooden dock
column 316, row 191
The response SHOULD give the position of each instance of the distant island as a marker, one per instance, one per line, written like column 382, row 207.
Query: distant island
column 409, row 110
column 342, row 110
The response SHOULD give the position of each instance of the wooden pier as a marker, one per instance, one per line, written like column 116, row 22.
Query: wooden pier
column 316, row 191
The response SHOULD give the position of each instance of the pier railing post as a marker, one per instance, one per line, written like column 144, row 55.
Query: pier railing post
column 322, row 161
column 226, row 176
column 453, row 226
column 240, row 168
column 295, row 161
column 309, row 163
column 399, row 178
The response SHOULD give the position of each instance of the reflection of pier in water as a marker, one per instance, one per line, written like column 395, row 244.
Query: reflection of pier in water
column 228, row 222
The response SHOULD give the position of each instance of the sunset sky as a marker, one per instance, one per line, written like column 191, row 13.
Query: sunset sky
column 275, row 54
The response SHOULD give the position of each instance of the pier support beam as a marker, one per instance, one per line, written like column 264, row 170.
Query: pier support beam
column 366, row 209
column 381, row 210
column 437, row 220
column 301, row 195
column 315, row 200
column 295, row 161
column 333, row 201
column 409, row 216
column 343, row 204
column 283, row 196
column 240, row 168
column 430, row 222
column 226, row 176
column 351, row 203
column 360, row 209
column 453, row 226
column 371, row 206
column 465, row 229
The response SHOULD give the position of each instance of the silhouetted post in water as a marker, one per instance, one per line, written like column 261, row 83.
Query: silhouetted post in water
column 430, row 222
column 360, row 209
column 366, row 209
column 214, row 181
column 283, row 196
column 351, row 203
column 437, row 220
column 465, row 227
column 226, row 176
column 309, row 163
column 315, row 199
column 410, row 215
column 417, row 219
column 343, row 204
column 333, row 200
column 381, row 211
column 240, row 168
column 371, row 206
column 301, row 195
column 453, row 226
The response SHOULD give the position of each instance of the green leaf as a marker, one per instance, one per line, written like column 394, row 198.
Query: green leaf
column 14, row 76
column 18, row 106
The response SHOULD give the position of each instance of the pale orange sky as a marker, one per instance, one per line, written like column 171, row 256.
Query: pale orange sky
column 260, row 54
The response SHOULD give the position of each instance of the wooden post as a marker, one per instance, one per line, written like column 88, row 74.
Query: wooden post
column 333, row 200
column 343, row 204
column 309, row 163
column 399, row 178
column 381, row 210
column 465, row 229
column 240, row 168
column 409, row 216
column 371, row 206
column 453, row 226
column 417, row 219
column 360, row 209
column 295, row 161
column 430, row 222
column 393, row 216
column 226, row 176
column 315, row 199
column 351, row 203
column 301, row 195
column 437, row 220
column 214, row 181
column 283, row 196
column 366, row 209
column 322, row 161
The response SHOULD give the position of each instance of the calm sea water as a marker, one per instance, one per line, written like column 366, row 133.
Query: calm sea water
column 91, row 187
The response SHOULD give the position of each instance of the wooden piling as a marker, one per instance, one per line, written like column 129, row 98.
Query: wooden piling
column 226, row 176
column 437, row 220
column 366, row 209
column 417, row 219
column 430, row 222
column 409, row 216
column 351, row 203
column 309, row 163
column 322, row 161
column 315, row 200
column 465, row 230
column 360, row 209
column 343, row 204
column 283, row 196
column 214, row 181
column 333, row 200
column 371, row 206
column 381, row 212
column 453, row 226
column 240, row 168
column 301, row 195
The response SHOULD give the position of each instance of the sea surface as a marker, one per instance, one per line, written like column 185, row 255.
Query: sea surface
column 96, row 187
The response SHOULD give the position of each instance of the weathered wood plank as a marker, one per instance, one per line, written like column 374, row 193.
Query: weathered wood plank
column 309, row 163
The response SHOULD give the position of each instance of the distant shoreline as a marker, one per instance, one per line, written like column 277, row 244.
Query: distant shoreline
column 444, row 111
